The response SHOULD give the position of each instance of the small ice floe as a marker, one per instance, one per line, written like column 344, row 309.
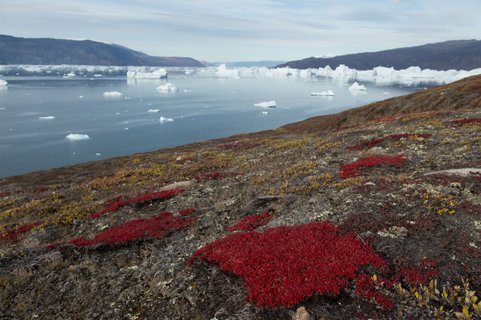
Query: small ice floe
column 153, row 111
column 96, row 75
column 77, row 137
column 266, row 104
column 98, row 154
column 266, row 112
column 80, row 97
column 164, row 119
column 126, row 129
column 386, row 92
column 3, row 83
column 112, row 94
column 117, row 113
column 71, row 74
column 168, row 87
column 325, row 93
column 357, row 87
column 3, row 109
column 46, row 118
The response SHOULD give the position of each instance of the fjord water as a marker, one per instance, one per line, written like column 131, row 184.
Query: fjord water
column 204, row 108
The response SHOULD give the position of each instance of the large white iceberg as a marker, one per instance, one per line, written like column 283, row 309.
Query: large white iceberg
column 142, row 73
column 266, row 104
column 168, row 87
column 223, row 72
column 357, row 87
column 325, row 93
column 77, row 137
column 46, row 118
column 112, row 94
column 3, row 83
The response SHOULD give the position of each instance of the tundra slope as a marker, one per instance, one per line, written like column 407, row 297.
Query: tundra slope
column 120, row 238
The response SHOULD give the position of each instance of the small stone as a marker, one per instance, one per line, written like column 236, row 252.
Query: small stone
column 302, row 314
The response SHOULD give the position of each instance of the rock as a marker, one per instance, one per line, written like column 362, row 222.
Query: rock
column 179, row 185
column 302, row 314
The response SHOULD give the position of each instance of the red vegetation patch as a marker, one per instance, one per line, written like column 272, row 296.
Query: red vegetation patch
column 155, row 227
column 13, row 234
column 117, row 202
column 287, row 264
column 251, row 222
column 374, row 142
column 462, row 122
column 352, row 169
column 420, row 274
column 366, row 287
column 186, row 212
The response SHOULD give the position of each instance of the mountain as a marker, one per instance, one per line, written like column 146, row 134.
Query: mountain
column 456, row 54
column 370, row 213
column 47, row 51
column 242, row 64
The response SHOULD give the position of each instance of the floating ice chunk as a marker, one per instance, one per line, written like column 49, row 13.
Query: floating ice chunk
column 3, row 83
column 98, row 75
column 325, row 93
column 357, row 87
column 223, row 72
column 266, row 104
column 168, row 87
column 46, row 118
column 77, row 137
column 2, row 109
column 266, row 112
column 80, row 97
column 153, row 110
column 98, row 154
column 164, row 119
column 71, row 74
column 140, row 73
column 112, row 94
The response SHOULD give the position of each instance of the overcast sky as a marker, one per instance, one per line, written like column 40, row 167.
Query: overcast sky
column 239, row 30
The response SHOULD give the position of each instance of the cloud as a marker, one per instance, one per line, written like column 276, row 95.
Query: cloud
column 248, row 29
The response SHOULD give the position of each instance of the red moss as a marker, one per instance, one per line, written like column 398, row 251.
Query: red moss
column 116, row 203
column 352, row 169
column 462, row 122
column 374, row 142
column 251, row 222
column 285, row 265
column 155, row 227
column 186, row 212
column 366, row 288
column 13, row 234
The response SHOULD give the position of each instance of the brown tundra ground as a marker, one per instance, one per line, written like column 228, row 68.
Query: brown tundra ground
column 373, row 213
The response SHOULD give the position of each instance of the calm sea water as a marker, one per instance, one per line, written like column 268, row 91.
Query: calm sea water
column 204, row 108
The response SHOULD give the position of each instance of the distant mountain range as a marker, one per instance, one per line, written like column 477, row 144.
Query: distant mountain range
column 45, row 51
column 242, row 64
column 456, row 54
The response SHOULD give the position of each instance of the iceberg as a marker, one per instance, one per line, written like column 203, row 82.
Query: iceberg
column 164, row 119
column 46, row 118
column 325, row 93
column 223, row 72
column 71, row 74
column 112, row 94
column 142, row 73
column 3, row 83
column 266, row 104
column 153, row 110
column 357, row 87
column 77, row 137
column 168, row 87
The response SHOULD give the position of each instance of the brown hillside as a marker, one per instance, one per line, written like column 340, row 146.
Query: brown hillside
column 463, row 94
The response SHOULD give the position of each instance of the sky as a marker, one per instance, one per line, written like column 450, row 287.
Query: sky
column 245, row 30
